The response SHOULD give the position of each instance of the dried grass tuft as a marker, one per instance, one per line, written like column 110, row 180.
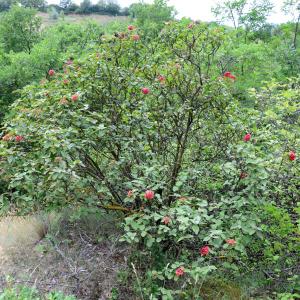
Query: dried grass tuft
column 80, row 258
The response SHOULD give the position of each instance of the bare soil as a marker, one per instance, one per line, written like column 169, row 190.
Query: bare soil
column 79, row 258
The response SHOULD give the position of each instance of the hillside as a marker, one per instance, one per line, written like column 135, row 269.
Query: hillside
column 75, row 18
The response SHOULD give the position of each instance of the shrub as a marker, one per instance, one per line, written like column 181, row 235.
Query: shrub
column 19, row 29
column 53, row 13
column 150, row 127
column 57, row 44
column 133, row 69
column 151, row 17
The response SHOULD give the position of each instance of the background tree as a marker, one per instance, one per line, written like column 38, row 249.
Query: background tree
column 85, row 6
column 112, row 7
column 102, row 7
column 65, row 4
column 73, row 7
column 292, row 7
column 5, row 4
column 151, row 17
column 38, row 4
column 19, row 29
column 249, row 14
column 53, row 13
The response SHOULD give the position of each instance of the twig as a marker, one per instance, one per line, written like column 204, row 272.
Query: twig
column 138, row 281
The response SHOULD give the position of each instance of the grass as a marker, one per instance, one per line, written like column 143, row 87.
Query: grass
column 15, row 231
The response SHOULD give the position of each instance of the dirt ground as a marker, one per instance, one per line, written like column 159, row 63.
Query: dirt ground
column 78, row 258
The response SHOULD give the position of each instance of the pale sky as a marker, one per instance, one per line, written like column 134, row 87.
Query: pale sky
column 201, row 9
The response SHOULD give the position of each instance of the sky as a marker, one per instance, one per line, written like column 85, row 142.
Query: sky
column 201, row 9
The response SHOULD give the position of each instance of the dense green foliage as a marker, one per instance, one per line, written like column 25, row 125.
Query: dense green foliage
column 102, row 7
column 55, row 46
column 189, row 130
column 151, row 17
column 19, row 29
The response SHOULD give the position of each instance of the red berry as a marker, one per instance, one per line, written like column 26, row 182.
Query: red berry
column 74, row 97
column 135, row 37
column 166, row 220
column 247, row 137
column 204, row 250
column 229, row 75
column 130, row 27
column 19, row 138
column 145, row 91
column 149, row 195
column 292, row 155
column 179, row 271
column 51, row 72
column 161, row 78
column 231, row 242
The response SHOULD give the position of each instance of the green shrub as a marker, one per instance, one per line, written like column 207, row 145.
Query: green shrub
column 58, row 43
column 151, row 17
column 151, row 128
column 19, row 29
column 53, row 13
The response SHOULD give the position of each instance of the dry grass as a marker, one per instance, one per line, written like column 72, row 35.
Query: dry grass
column 75, row 18
column 80, row 258
column 15, row 231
